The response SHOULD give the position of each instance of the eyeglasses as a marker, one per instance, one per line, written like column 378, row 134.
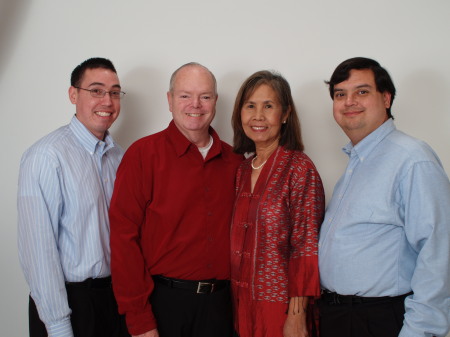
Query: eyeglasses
column 99, row 93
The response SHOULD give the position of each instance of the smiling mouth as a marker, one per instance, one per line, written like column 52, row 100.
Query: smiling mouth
column 194, row 115
column 258, row 128
column 103, row 113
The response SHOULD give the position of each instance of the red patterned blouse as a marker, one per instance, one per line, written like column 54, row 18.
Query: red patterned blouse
column 274, row 241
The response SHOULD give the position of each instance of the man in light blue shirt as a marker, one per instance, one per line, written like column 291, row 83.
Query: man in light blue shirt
column 65, row 186
column 385, row 241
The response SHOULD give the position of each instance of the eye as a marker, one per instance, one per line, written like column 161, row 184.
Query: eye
column 268, row 106
column 363, row 92
column 249, row 106
column 206, row 97
column 339, row 94
column 115, row 93
column 98, row 92
column 183, row 96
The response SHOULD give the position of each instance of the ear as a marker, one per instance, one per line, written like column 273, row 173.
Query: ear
column 387, row 99
column 286, row 115
column 170, row 100
column 73, row 94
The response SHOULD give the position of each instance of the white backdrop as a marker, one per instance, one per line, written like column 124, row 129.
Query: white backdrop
column 41, row 41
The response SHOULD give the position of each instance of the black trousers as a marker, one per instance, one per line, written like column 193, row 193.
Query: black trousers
column 382, row 318
column 183, row 313
column 94, row 314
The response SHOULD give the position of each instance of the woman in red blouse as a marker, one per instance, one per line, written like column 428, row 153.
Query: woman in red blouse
column 279, row 208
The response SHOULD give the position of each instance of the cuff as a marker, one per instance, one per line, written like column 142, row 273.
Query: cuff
column 60, row 329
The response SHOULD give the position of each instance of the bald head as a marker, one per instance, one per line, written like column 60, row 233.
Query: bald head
column 173, row 78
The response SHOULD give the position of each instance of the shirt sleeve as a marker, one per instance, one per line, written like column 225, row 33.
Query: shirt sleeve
column 306, row 213
column 426, row 194
column 132, row 283
column 39, row 204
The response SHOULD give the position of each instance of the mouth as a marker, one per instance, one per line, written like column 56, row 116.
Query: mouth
column 194, row 114
column 103, row 113
column 258, row 128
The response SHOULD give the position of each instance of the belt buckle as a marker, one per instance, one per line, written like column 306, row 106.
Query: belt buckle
column 205, row 287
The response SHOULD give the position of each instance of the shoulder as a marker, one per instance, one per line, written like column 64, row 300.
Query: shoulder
column 410, row 149
column 228, row 154
column 297, row 159
column 53, row 144
column 148, row 144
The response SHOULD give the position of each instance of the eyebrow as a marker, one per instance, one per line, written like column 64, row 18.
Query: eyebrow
column 357, row 87
column 103, row 84
column 266, row 101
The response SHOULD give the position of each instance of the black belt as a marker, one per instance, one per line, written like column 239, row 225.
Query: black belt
column 335, row 299
column 198, row 287
column 104, row 282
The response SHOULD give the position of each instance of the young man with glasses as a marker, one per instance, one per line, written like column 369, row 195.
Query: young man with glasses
column 65, row 186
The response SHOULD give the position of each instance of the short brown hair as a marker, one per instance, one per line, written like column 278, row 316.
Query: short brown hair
column 291, row 137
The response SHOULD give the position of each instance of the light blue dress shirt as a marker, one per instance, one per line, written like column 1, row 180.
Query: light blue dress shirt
column 386, row 230
column 65, row 185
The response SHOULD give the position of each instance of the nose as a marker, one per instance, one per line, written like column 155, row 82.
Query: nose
column 259, row 114
column 107, row 100
column 350, row 100
column 196, row 103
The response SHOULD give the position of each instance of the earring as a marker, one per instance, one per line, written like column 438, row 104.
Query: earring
column 284, row 122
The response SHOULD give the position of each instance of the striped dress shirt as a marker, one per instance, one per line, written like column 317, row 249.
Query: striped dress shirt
column 65, row 185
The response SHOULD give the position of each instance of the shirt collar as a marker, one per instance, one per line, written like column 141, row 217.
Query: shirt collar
column 182, row 144
column 367, row 144
column 88, row 140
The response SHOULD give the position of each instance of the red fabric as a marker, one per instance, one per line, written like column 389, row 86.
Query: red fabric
column 274, row 246
column 170, row 214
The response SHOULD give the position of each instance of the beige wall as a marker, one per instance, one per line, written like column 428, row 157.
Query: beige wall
column 41, row 41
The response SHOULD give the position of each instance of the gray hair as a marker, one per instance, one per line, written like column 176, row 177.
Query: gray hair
column 191, row 64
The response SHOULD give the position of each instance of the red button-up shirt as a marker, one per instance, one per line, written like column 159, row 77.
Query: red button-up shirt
column 170, row 214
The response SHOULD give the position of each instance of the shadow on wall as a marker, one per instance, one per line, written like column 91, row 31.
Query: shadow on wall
column 12, row 14
column 228, row 87
column 144, row 108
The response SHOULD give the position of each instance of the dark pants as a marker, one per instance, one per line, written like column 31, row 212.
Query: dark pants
column 94, row 313
column 183, row 313
column 378, row 318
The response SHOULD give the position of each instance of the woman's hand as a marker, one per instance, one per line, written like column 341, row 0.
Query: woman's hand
column 151, row 333
column 295, row 324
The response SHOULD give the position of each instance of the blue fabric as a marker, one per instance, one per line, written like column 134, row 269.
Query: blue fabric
column 65, row 185
column 386, row 230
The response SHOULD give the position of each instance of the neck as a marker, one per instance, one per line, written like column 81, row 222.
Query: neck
column 264, row 152
column 198, row 138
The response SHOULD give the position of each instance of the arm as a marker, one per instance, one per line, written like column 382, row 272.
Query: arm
column 132, row 283
column 306, row 207
column 295, row 325
column 40, row 204
column 426, row 194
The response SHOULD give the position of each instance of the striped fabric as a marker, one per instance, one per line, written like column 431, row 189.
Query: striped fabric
column 65, row 185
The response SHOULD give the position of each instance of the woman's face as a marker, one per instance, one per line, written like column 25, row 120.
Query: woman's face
column 262, row 116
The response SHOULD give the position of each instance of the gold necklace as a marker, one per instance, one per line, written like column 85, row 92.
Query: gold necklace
column 258, row 167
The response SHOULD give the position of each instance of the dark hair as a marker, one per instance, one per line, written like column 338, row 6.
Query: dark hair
column 382, row 79
column 290, row 137
column 92, row 63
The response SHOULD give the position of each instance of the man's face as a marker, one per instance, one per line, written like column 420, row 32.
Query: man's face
column 358, row 107
column 192, row 101
column 95, row 113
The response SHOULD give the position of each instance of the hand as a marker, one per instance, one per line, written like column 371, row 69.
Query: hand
column 295, row 326
column 151, row 333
